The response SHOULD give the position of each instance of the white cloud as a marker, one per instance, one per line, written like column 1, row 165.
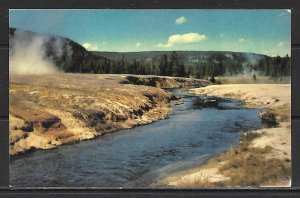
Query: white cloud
column 90, row 47
column 280, row 44
column 241, row 40
column 221, row 35
column 186, row 38
column 138, row 44
column 164, row 45
column 180, row 20
column 183, row 39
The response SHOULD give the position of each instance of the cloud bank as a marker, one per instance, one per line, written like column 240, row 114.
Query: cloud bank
column 138, row 44
column 241, row 40
column 280, row 44
column 90, row 46
column 180, row 20
column 183, row 39
column 221, row 35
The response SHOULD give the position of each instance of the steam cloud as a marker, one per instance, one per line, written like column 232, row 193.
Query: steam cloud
column 28, row 53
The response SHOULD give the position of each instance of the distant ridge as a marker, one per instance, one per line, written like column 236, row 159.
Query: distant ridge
column 70, row 56
column 190, row 58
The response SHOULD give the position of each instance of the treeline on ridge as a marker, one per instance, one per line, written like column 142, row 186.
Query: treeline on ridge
column 173, row 65
column 74, row 58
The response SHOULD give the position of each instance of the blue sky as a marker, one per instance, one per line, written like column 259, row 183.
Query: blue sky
column 258, row 31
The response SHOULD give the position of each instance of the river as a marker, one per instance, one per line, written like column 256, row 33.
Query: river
column 135, row 158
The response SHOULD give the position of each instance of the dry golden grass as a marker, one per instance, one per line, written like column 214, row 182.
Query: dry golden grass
column 62, row 108
column 248, row 137
column 247, row 79
column 248, row 166
column 242, row 166
column 283, row 112
column 196, row 183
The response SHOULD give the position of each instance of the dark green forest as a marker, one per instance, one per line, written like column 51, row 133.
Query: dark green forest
column 173, row 65
column 74, row 58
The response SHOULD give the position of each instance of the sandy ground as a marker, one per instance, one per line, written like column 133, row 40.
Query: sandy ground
column 255, row 95
column 247, row 79
column 269, row 96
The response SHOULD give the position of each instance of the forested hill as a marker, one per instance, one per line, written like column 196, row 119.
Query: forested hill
column 199, row 64
column 70, row 56
column 66, row 54
column 189, row 58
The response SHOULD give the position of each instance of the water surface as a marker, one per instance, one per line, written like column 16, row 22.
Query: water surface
column 138, row 157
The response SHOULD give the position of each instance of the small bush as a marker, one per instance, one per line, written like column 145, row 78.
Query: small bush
column 283, row 112
column 269, row 116
column 253, row 77
column 247, row 137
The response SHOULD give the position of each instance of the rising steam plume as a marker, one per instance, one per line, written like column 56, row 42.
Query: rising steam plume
column 28, row 53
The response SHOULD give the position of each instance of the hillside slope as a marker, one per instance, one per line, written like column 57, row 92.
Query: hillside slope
column 66, row 54
column 190, row 58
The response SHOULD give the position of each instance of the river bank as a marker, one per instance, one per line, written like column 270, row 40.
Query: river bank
column 47, row 111
column 137, row 157
column 262, row 157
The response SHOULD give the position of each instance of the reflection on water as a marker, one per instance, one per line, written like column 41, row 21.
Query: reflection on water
column 137, row 157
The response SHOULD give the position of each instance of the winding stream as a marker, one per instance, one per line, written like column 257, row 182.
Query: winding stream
column 138, row 157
